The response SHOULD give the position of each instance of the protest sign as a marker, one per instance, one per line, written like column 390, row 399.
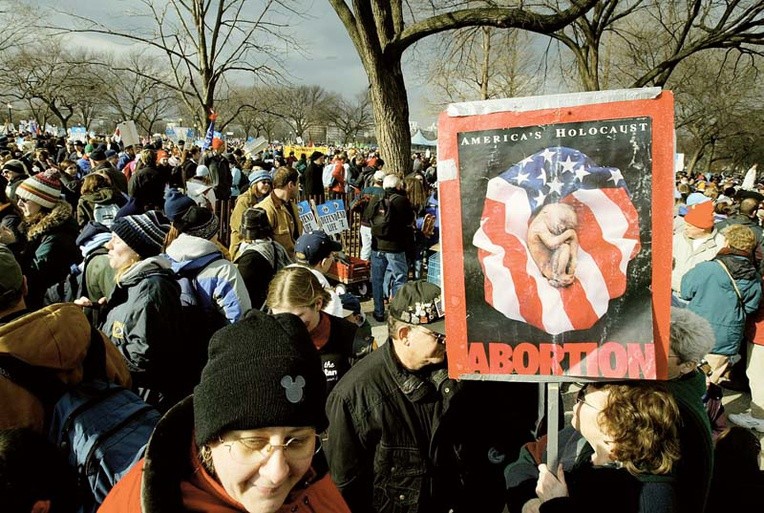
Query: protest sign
column 556, row 245
column 128, row 133
column 78, row 133
column 333, row 216
column 307, row 217
column 254, row 145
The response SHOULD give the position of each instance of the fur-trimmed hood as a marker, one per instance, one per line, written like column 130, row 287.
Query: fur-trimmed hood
column 45, row 223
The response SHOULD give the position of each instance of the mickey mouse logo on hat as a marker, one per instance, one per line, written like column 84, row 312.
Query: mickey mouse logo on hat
column 293, row 388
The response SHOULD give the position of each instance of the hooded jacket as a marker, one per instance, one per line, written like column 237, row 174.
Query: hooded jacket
column 88, row 202
column 169, row 478
column 55, row 337
column 142, row 318
column 711, row 295
column 219, row 282
column 50, row 251
column 258, row 262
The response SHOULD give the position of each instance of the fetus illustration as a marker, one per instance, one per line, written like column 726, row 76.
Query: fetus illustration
column 553, row 243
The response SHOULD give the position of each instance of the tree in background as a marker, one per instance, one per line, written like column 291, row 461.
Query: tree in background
column 381, row 33
column 204, row 42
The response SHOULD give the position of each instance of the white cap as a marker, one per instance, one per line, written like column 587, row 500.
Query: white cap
column 202, row 170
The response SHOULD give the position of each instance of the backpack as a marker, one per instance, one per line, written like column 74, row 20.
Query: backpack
column 380, row 217
column 73, row 286
column 199, row 316
column 101, row 428
column 105, row 214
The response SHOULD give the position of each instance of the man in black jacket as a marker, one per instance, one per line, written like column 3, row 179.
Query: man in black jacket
column 392, row 234
column 403, row 437
column 313, row 185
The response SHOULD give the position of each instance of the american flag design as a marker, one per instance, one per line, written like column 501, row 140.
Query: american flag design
column 607, row 230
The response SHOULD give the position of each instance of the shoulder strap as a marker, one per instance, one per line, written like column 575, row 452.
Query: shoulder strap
column 734, row 284
column 192, row 269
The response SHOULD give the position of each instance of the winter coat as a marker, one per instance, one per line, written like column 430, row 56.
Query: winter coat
column 711, row 295
column 258, row 262
column 694, row 468
column 686, row 256
column 88, row 202
column 171, row 478
column 402, row 218
column 142, row 317
column 314, row 185
column 220, row 282
column 338, row 174
column 284, row 219
column 423, row 443
column 220, row 175
column 56, row 337
column 243, row 202
column 50, row 251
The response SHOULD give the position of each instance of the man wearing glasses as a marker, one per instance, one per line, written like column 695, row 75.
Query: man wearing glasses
column 404, row 437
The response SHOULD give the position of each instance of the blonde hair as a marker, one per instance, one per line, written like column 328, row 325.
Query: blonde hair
column 740, row 237
column 296, row 287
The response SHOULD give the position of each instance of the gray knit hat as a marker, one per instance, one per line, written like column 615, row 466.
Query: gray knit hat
column 262, row 371
column 144, row 233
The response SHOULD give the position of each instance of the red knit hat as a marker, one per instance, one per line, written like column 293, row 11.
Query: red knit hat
column 701, row 215
column 43, row 188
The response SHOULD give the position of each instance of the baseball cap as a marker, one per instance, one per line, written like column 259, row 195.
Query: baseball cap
column 419, row 302
column 315, row 246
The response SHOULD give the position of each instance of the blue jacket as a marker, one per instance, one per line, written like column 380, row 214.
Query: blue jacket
column 711, row 295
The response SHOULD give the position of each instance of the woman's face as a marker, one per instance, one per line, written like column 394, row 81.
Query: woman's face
column 589, row 403
column 261, row 479
column 120, row 254
column 309, row 315
column 28, row 208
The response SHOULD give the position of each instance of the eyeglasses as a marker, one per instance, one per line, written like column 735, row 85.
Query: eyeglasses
column 581, row 397
column 258, row 449
column 440, row 338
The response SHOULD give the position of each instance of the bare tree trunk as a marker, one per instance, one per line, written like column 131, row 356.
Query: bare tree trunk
column 391, row 112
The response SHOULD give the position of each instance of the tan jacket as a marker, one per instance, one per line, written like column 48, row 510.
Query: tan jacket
column 282, row 222
column 244, row 201
column 56, row 337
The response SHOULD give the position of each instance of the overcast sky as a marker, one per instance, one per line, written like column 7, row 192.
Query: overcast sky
column 331, row 59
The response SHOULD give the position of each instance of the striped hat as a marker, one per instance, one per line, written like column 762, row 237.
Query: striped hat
column 43, row 188
column 144, row 233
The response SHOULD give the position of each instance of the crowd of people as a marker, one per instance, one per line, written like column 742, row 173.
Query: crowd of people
column 274, row 394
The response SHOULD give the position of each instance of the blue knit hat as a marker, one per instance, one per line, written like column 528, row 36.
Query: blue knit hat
column 259, row 176
column 144, row 233
column 176, row 203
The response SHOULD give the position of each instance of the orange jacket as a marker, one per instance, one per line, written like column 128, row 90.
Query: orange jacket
column 171, row 463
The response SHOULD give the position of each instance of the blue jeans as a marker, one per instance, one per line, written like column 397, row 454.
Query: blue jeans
column 380, row 261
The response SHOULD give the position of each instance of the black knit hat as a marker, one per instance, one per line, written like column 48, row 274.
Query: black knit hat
column 144, row 233
column 262, row 371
